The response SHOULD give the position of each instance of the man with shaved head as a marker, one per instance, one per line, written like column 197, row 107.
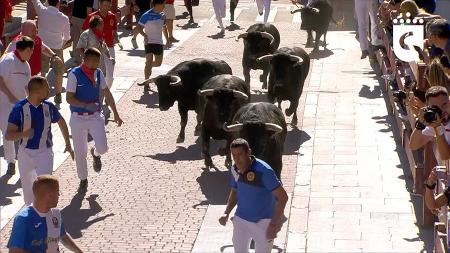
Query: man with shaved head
column 29, row 29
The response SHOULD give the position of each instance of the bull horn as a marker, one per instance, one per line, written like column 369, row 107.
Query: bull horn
column 268, row 36
column 242, row 35
column 206, row 92
column 273, row 127
column 296, row 58
column 232, row 128
column 300, row 7
column 150, row 80
column 175, row 81
column 315, row 10
column 265, row 57
column 240, row 94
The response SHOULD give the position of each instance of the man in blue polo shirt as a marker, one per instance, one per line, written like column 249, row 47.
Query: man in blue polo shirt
column 260, row 199
column 39, row 227
column 30, row 122
column 86, row 87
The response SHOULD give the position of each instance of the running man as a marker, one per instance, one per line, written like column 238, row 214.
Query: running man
column 85, row 87
column 30, row 122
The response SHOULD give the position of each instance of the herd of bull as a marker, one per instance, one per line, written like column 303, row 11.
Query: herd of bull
column 222, row 100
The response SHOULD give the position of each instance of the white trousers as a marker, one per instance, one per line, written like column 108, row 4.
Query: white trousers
column 33, row 163
column 109, row 67
column 220, row 10
column 8, row 146
column 366, row 9
column 80, row 126
column 264, row 5
column 244, row 231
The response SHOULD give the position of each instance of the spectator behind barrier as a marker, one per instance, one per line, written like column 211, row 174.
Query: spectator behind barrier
column 438, row 34
column 433, row 121
column 435, row 202
column 436, row 73
column 411, row 7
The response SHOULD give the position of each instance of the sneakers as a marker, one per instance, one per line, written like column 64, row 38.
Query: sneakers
column 82, row 188
column 96, row 161
column 11, row 169
column 57, row 98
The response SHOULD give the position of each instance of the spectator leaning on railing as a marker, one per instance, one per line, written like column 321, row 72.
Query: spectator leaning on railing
column 433, row 121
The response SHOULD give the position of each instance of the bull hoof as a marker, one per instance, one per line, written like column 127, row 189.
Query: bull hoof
column 228, row 163
column 264, row 86
column 180, row 139
column 208, row 163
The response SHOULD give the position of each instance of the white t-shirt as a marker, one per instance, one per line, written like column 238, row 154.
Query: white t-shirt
column 429, row 131
column 16, row 75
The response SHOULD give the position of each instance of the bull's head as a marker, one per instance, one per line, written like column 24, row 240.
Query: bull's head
column 165, row 84
column 256, row 42
column 223, row 103
column 284, row 68
column 257, row 134
column 305, row 9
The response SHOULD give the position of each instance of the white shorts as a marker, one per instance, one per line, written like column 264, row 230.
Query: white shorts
column 169, row 10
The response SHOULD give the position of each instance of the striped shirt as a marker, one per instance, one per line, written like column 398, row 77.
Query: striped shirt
column 153, row 23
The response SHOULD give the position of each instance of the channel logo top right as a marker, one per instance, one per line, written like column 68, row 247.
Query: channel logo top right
column 408, row 32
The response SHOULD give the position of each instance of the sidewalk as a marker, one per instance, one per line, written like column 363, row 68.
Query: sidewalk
column 352, row 189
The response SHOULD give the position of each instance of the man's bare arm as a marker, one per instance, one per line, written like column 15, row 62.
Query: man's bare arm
column 68, row 242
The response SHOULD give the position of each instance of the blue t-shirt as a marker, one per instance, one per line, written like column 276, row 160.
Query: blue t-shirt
column 153, row 23
column 30, row 232
column 41, row 134
column 255, row 199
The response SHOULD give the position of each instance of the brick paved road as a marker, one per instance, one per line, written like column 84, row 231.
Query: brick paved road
column 152, row 194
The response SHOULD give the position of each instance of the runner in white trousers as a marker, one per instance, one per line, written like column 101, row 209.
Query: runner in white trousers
column 264, row 5
column 366, row 9
column 85, row 87
column 220, row 9
column 30, row 123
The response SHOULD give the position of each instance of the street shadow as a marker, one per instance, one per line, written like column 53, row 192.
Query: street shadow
column 294, row 139
column 8, row 190
column 321, row 54
column 149, row 99
column 192, row 152
column 214, row 185
column 135, row 52
column 189, row 26
column 184, row 15
column 216, row 36
column 365, row 92
column 77, row 219
column 386, row 120
column 233, row 27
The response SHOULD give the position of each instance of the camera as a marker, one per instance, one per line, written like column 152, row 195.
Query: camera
column 399, row 95
column 431, row 113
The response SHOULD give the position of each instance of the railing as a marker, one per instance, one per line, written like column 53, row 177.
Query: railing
column 421, row 162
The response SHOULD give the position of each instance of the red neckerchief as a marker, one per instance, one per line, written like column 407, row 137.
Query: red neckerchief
column 18, row 55
column 88, row 72
column 98, row 34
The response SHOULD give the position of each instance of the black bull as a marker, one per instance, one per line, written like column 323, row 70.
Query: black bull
column 220, row 98
column 263, row 126
column 316, row 17
column 289, row 68
column 182, row 83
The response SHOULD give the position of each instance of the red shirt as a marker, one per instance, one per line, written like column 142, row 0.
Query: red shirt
column 36, row 57
column 109, row 26
column 170, row 1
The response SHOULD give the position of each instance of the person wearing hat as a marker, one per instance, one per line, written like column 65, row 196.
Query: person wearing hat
column 260, row 198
